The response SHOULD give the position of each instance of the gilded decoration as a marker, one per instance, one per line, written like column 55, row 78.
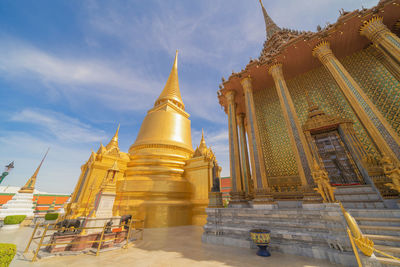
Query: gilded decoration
column 325, row 92
column 378, row 83
column 278, row 154
column 323, row 184
column 391, row 171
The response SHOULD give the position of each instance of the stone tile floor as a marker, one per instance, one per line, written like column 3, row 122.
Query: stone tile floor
column 175, row 247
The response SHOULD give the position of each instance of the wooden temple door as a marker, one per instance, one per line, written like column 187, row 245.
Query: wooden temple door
column 337, row 159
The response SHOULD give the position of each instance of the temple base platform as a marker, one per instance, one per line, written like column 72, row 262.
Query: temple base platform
column 311, row 230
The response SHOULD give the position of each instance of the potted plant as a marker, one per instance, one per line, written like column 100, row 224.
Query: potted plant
column 7, row 253
column 12, row 222
column 261, row 238
column 51, row 217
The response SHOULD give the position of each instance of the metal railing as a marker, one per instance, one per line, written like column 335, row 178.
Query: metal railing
column 133, row 227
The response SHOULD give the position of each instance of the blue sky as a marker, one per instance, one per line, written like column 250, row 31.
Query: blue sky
column 71, row 70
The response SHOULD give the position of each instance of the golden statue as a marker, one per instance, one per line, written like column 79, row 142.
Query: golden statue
column 392, row 172
column 324, row 187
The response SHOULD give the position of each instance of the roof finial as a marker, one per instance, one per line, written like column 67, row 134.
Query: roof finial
column 114, row 141
column 202, row 137
column 171, row 90
column 270, row 25
column 30, row 184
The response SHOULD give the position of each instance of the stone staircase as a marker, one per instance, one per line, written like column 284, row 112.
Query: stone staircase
column 358, row 197
column 383, row 227
column 311, row 232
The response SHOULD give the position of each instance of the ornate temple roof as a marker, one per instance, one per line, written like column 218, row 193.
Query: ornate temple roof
column 202, row 149
column 111, row 149
column 171, row 90
column 114, row 141
column 294, row 48
column 270, row 26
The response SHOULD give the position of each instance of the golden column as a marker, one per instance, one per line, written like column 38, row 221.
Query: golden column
column 237, row 194
column 259, row 173
column 298, row 140
column 382, row 37
column 386, row 140
column 244, row 155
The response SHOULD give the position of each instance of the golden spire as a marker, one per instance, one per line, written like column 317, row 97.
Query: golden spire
column 270, row 25
column 202, row 149
column 30, row 184
column 202, row 137
column 171, row 90
column 114, row 141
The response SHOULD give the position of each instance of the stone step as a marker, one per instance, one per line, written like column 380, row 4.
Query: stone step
column 354, row 189
column 388, row 261
column 363, row 204
column 283, row 225
column 378, row 221
column 380, row 230
column 290, row 234
column 386, row 240
column 375, row 213
column 357, row 196
column 394, row 251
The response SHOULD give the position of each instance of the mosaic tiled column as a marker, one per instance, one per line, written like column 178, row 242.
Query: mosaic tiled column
column 244, row 155
column 382, row 37
column 386, row 140
column 237, row 193
column 386, row 61
column 262, row 193
column 298, row 140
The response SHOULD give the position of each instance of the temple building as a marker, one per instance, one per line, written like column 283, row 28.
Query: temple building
column 329, row 97
column 313, row 121
column 161, row 179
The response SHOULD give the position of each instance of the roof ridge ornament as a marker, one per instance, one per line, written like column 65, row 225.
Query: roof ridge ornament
column 270, row 27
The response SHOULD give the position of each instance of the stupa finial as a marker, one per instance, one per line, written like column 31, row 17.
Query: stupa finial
column 171, row 90
column 270, row 25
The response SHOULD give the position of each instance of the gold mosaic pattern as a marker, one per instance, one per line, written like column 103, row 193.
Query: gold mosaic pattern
column 276, row 147
column 377, row 82
column 324, row 91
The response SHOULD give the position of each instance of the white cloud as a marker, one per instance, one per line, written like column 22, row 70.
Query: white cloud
column 62, row 127
column 114, row 84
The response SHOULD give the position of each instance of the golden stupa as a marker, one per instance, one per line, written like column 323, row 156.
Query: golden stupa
column 155, row 188
column 164, row 181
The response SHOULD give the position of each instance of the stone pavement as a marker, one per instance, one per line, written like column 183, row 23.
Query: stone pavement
column 175, row 246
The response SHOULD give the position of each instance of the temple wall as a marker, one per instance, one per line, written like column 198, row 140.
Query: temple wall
column 377, row 82
column 276, row 147
column 325, row 92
